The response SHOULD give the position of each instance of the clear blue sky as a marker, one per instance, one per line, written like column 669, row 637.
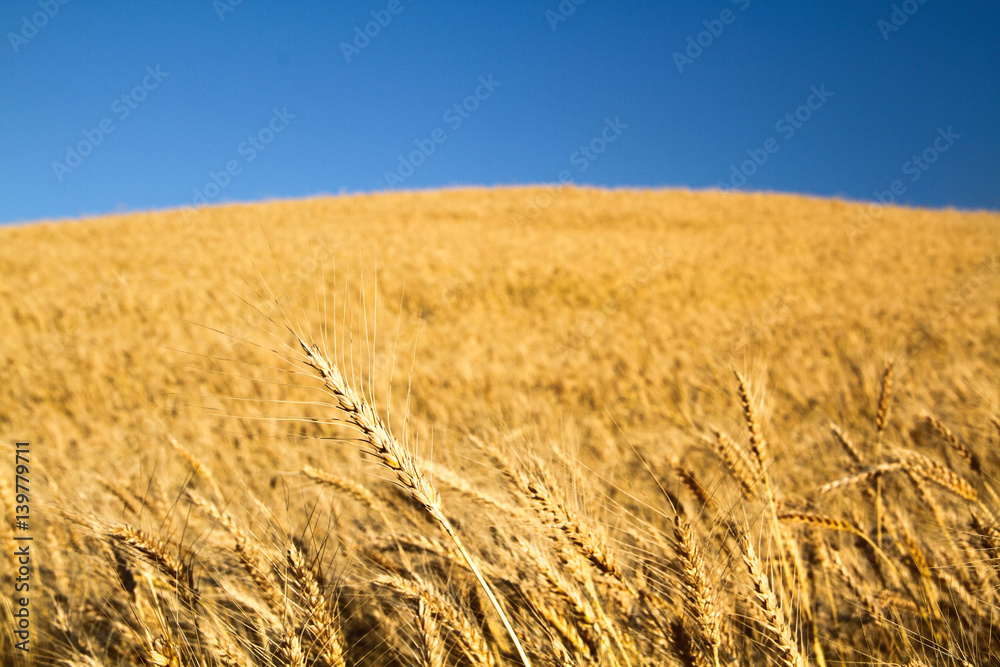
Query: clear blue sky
column 116, row 105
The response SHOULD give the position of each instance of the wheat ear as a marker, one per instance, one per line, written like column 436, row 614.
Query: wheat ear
column 734, row 463
column 470, row 636
column 884, row 402
column 767, row 603
column 592, row 630
column 820, row 521
column 155, row 551
column 938, row 473
column 757, row 443
column 860, row 478
column 700, row 599
column 384, row 446
column 251, row 556
column 881, row 420
column 690, row 481
column 322, row 626
column 199, row 468
column 953, row 441
column 432, row 650
column 848, row 446
column 557, row 516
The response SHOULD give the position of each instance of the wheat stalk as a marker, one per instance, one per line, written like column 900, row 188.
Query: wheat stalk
column 938, row 473
column 355, row 490
column 757, row 443
column 700, row 599
column 320, row 623
column 861, row 477
column 471, row 638
column 155, row 551
column 767, row 604
column 432, row 650
column 122, row 495
column 884, row 401
column 820, row 521
column 554, row 513
column 384, row 446
column 952, row 440
column 592, row 630
column 449, row 478
column 848, row 446
column 199, row 468
column 881, row 420
column 291, row 650
column 689, row 480
column 249, row 553
column 733, row 460
column 684, row 645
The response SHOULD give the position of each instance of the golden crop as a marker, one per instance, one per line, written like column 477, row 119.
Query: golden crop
column 667, row 427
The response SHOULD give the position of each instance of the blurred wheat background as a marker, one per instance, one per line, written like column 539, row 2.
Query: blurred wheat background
column 670, row 428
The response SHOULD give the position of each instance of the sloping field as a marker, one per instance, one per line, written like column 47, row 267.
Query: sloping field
column 556, row 363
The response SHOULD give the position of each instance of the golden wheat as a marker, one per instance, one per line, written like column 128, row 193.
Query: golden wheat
column 832, row 531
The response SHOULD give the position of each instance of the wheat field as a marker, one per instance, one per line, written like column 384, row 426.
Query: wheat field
column 545, row 426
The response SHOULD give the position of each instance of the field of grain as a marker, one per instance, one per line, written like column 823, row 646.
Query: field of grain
column 666, row 427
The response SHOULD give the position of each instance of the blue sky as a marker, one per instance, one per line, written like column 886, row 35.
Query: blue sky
column 112, row 105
